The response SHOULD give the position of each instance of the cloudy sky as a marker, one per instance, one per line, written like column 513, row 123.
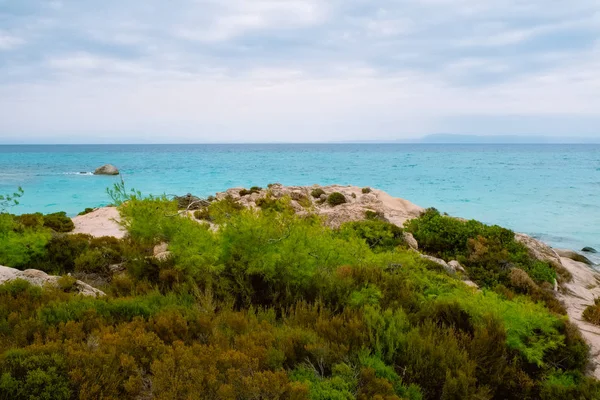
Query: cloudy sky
column 296, row 70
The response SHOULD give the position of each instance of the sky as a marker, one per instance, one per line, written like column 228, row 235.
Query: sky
column 191, row 71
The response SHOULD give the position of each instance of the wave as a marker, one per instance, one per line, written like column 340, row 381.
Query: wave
column 78, row 173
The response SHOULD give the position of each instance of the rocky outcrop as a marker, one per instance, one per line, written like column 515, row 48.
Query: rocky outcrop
column 589, row 250
column 392, row 209
column 456, row 266
column 577, row 295
column 104, row 221
column 190, row 202
column 573, row 255
column 40, row 278
column 107, row 169
column 539, row 250
column 410, row 240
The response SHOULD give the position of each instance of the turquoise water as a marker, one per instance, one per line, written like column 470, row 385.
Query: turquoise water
column 550, row 191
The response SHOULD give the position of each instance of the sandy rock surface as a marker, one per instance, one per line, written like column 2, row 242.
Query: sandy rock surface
column 393, row 209
column 100, row 222
column 40, row 278
column 576, row 296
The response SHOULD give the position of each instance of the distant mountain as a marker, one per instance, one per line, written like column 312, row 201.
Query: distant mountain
column 443, row 138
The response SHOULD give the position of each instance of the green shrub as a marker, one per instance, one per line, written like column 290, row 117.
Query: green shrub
column 317, row 193
column 366, row 190
column 591, row 313
column 66, row 283
column 34, row 374
column 335, row 199
column 30, row 221
column 59, row 222
column 379, row 235
column 87, row 211
column 374, row 215
column 269, row 203
column 202, row 214
column 253, row 189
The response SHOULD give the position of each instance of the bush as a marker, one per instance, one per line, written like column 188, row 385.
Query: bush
column 253, row 189
column 591, row 313
column 202, row 214
column 335, row 199
column 366, row 190
column 374, row 215
column 87, row 211
column 59, row 222
column 317, row 193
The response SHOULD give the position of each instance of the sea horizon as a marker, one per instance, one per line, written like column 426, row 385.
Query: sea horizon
column 546, row 190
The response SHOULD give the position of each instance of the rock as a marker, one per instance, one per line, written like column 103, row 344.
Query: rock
column 107, row 169
column 573, row 255
column 190, row 202
column 589, row 250
column 456, row 266
column 116, row 268
column 410, row 240
column 101, row 222
column 439, row 261
column 471, row 284
column 161, row 251
column 539, row 250
column 323, row 197
column 40, row 278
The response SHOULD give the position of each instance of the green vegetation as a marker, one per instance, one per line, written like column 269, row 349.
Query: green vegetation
column 366, row 190
column 10, row 199
column 592, row 313
column 86, row 211
column 253, row 189
column 335, row 199
column 274, row 305
column 317, row 193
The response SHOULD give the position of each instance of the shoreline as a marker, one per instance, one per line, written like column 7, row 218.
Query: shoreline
column 575, row 295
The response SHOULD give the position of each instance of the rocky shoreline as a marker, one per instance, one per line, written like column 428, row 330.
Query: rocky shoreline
column 576, row 294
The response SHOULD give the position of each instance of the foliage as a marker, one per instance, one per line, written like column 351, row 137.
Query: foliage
column 87, row 211
column 366, row 190
column 317, row 193
column 335, row 199
column 487, row 252
column 269, row 304
column 253, row 189
column 59, row 222
column 10, row 199
column 379, row 235
column 592, row 313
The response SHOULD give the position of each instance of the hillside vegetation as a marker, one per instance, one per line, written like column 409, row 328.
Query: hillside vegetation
column 268, row 304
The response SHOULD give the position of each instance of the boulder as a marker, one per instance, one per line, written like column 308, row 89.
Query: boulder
column 573, row 255
column 40, row 278
column 190, row 202
column 539, row 250
column 161, row 251
column 107, row 169
column 439, row 261
column 410, row 240
column 589, row 250
column 456, row 266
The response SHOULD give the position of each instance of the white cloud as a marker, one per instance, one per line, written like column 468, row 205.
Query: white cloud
column 296, row 69
column 10, row 42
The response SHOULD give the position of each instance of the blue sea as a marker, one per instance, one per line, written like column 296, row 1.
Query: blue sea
column 549, row 191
